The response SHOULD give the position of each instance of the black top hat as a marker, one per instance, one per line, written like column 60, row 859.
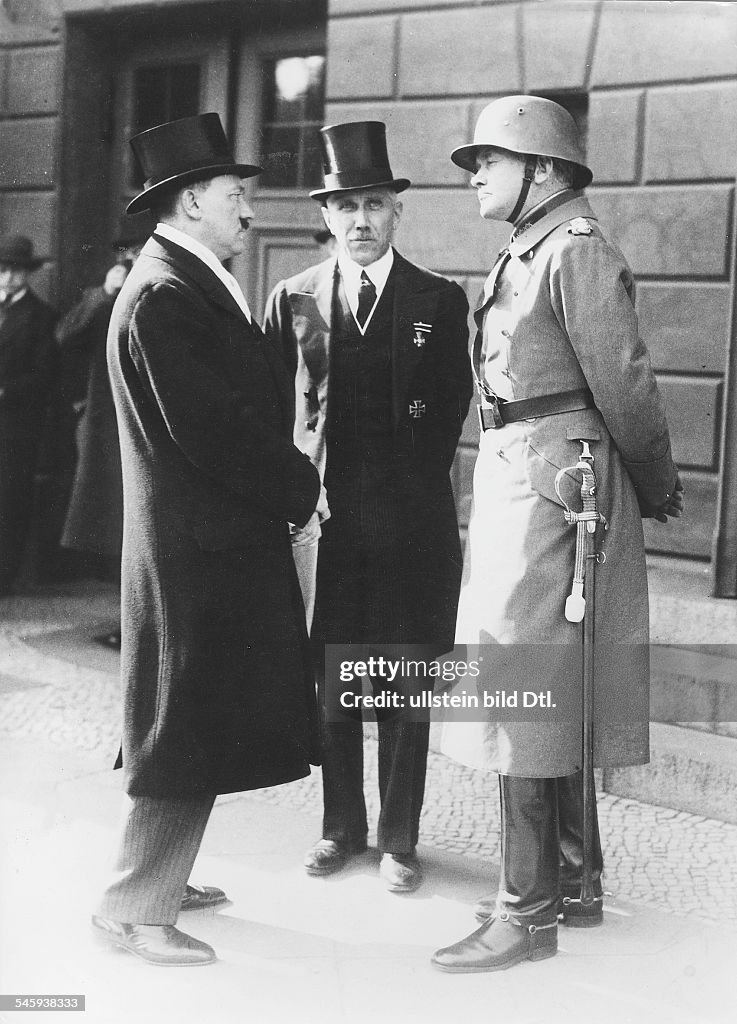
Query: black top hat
column 354, row 156
column 180, row 152
column 18, row 251
column 133, row 231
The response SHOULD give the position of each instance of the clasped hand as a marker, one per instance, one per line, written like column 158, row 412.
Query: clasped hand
column 311, row 531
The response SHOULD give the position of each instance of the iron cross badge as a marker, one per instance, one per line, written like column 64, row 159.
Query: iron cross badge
column 421, row 332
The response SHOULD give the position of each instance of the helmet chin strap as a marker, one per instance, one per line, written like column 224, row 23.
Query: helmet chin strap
column 527, row 180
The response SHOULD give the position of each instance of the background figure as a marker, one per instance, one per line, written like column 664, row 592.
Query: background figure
column 27, row 361
column 94, row 521
column 377, row 346
column 217, row 682
column 558, row 361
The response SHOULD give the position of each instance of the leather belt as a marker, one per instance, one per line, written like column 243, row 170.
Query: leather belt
column 496, row 413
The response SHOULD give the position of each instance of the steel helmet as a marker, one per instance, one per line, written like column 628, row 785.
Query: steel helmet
column 528, row 125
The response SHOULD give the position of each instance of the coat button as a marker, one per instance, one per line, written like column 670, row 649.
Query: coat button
column 505, row 333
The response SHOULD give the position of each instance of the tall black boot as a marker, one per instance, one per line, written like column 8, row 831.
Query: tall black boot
column 570, row 823
column 525, row 926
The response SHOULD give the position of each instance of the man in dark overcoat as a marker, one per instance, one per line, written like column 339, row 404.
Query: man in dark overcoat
column 94, row 519
column 561, row 372
column 27, row 360
column 218, row 690
column 378, row 348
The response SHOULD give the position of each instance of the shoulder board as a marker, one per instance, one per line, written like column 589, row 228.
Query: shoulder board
column 580, row 226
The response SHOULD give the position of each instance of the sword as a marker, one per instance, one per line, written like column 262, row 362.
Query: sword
column 580, row 607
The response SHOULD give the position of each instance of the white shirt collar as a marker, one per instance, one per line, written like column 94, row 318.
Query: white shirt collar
column 378, row 272
column 208, row 257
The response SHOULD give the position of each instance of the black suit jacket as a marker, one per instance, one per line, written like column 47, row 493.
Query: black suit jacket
column 431, row 389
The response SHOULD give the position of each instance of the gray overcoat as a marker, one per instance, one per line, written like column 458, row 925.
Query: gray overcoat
column 561, row 317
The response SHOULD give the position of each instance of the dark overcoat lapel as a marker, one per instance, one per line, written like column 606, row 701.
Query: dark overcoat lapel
column 415, row 300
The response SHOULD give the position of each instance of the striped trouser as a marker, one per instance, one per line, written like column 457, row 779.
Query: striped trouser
column 160, row 838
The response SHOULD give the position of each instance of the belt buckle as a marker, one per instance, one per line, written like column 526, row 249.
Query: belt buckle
column 490, row 403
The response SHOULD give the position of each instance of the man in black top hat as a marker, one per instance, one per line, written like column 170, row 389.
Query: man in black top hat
column 218, row 690
column 26, row 370
column 377, row 346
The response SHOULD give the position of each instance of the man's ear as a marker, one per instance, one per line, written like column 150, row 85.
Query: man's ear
column 398, row 209
column 326, row 217
column 189, row 202
column 543, row 169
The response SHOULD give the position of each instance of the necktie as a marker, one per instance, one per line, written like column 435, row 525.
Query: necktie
column 366, row 298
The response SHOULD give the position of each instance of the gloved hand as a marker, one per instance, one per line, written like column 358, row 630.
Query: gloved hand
column 672, row 507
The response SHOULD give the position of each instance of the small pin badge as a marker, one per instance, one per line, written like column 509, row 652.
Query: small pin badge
column 417, row 409
column 580, row 226
column 421, row 332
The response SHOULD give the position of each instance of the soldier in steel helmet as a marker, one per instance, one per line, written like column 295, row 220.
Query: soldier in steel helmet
column 558, row 362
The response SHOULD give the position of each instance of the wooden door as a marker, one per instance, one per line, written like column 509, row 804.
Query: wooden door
column 279, row 110
column 161, row 78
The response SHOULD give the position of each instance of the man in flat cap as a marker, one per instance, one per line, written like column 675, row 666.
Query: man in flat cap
column 218, row 689
column 378, row 348
column 27, row 360
column 571, row 422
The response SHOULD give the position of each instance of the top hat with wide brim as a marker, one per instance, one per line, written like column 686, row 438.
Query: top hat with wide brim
column 133, row 231
column 354, row 156
column 17, row 250
column 178, row 153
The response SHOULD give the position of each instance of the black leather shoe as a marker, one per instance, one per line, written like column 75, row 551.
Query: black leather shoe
column 328, row 856
column 162, row 945
column 571, row 911
column 202, row 897
column 400, row 872
column 497, row 945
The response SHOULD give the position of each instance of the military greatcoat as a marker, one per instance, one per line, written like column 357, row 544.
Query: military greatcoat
column 559, row 315
column 218, row 689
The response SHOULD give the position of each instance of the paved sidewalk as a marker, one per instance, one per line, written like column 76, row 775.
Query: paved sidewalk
column 293, row 948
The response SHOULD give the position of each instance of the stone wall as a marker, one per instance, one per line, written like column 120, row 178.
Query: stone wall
column 661, row 83
column 30, row 101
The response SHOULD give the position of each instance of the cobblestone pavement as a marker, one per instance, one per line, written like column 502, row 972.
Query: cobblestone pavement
column 57, row 684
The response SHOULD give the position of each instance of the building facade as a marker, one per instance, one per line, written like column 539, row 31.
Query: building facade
column 653, row 86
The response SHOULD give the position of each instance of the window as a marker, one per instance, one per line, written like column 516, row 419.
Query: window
column 294, row 102
column 163, row 93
